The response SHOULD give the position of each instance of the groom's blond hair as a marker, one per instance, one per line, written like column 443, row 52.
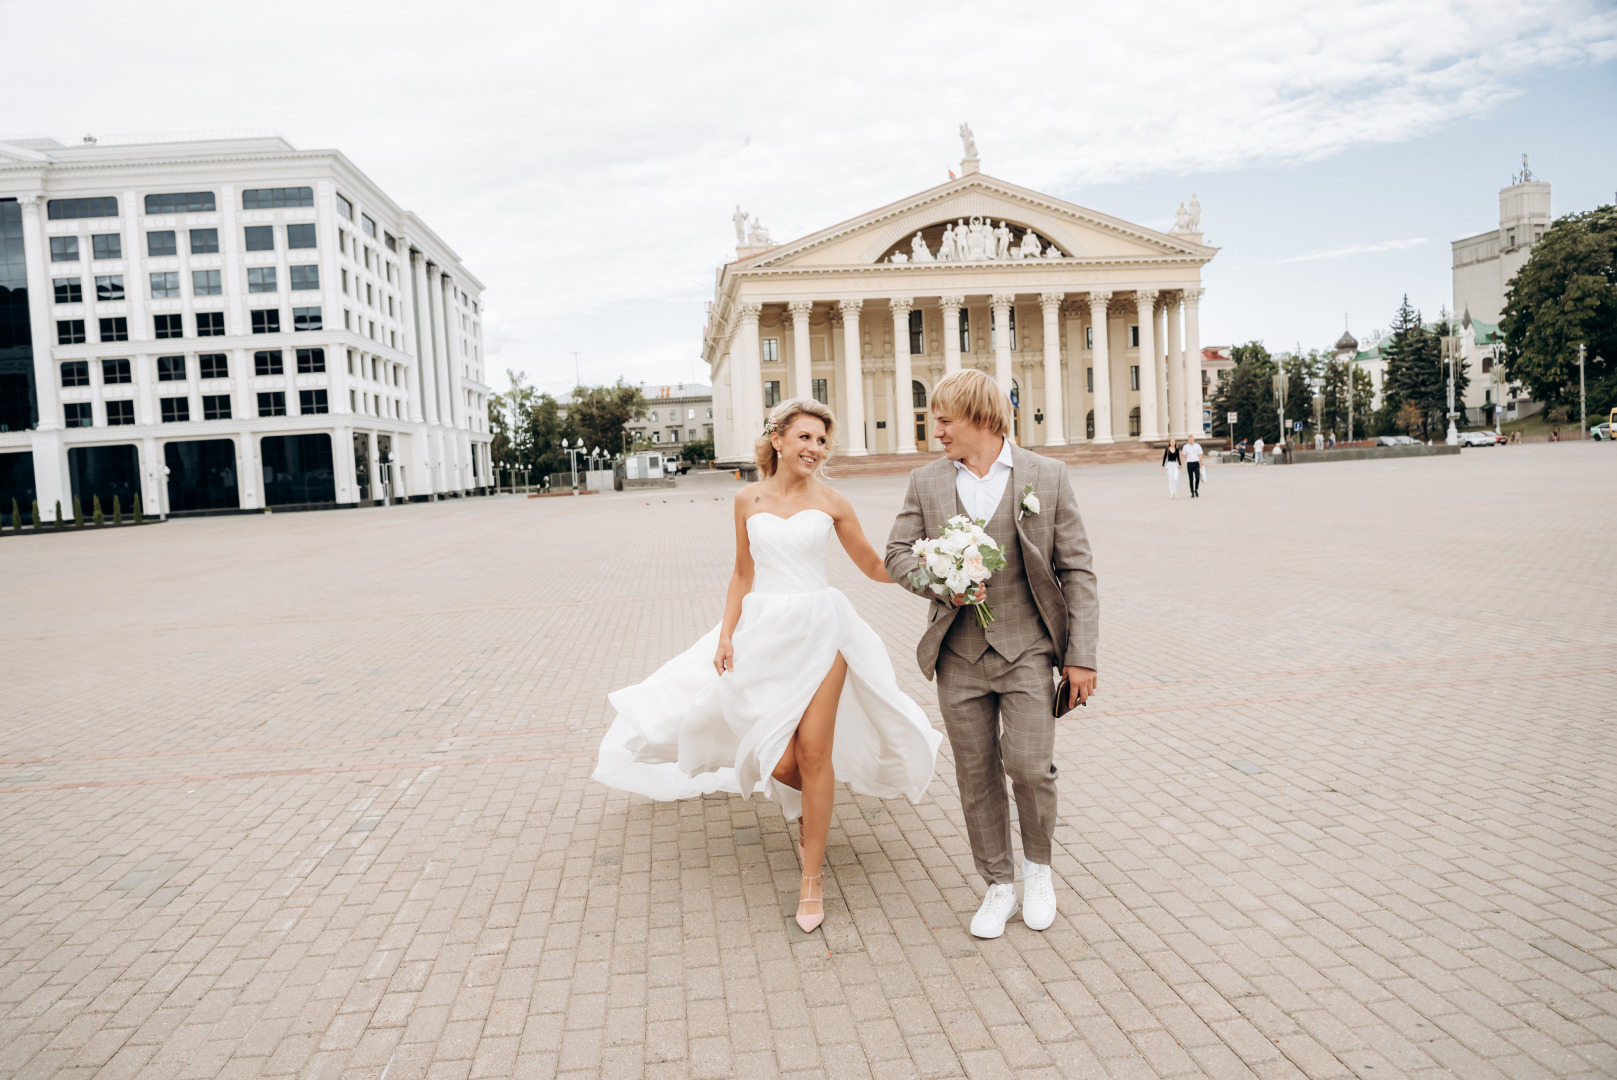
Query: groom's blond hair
column 974, row 396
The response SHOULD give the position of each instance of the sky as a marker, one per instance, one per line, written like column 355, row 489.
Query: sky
column 584, row 159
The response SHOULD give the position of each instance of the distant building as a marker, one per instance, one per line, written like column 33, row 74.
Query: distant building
column 1485, row 263
column 675, row 415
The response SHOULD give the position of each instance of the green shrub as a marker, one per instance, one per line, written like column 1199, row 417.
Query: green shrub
column 39, row 522
column 78, row 513
column 95, row 510
column 16, row 517
column 139, row 517
column 58, row 513
column 117, row 512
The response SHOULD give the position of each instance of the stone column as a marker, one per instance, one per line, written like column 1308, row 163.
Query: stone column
column 1100, row 363
column 724, row 425
column 412, row 334
column 802, row 353
column 852, row 380
column 426, row 377
column 1193, row 360
column 873, row 443
column 1054, row 429
column 1159, row 363
column 457, row 394
column 1002, row 340
column 899, row 391
column 1178, row 413
column 1073, row 386
column 951, row 334
column 438, row 456
column 747, row 382
column 1144, row 304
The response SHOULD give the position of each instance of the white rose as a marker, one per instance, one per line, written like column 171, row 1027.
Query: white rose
column 973, row 566
column 939, row 563
column 957, row 582
column 919, row 548
column 1031, row 502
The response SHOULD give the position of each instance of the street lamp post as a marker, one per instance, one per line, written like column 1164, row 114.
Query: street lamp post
column 1453, row 342
column 572, row 458
column 1583, row 398
column 1281, row 385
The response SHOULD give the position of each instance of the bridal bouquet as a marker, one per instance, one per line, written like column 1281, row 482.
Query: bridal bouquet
column 957, row 562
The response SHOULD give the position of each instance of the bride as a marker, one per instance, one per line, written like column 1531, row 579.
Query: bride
column 792, row 691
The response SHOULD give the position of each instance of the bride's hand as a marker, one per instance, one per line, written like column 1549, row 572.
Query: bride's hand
column 959, row 599
column 724, row 658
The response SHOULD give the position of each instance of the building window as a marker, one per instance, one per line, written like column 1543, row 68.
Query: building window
column 272, row 403
column 204, row 241
column 300, row 236
column 106, row 246
column 120, row 412
column 1089, row 424
column 115, row 329
column 1134, row 338
column 305, row 278
column 368, row 225
column 216, row 406
column 771, row 349
column 114, row 371
column 183, row 202
column 76, row 373
column 176, row 410
column 161, row 243
column 267, row 321
column 1089, row 379
column 771, row 394
column 965, row 330
column 70, row 331
column 1134, row 376
column 821, row 394
column 76, row 414
column 69, row 290
column 276, row 198
column 917, row 325
column 64, row 249
column 171, row 369
column 167, row 326
column 392, row 243
column 109, row 287
column 312, row 402
column 214, row 365
column 267, row 362
column 1487, row 361
column 311, row 361
column 1134, row 420
column 63, row 209
column 350, row 361
column 307, row 318
column 206, row 283
column 656, row 436
column 165, row 284
column 345, row 208
column 1089, row 337
column 917, row 395
column 210, row 323
column 260, row 238
column 260, row 279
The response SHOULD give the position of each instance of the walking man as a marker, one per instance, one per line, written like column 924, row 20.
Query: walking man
column 1192, row 453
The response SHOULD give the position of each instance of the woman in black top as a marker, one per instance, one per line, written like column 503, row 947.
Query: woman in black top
column 1170, row 465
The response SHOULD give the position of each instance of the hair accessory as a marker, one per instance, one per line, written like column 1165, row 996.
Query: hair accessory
column 769, row 426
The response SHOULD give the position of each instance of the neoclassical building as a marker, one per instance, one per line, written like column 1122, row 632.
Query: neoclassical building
column 1088, row 321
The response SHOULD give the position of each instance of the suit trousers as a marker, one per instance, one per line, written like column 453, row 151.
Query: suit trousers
column 997, row 714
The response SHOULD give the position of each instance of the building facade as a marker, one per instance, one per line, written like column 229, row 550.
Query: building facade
column 675, row 415
column 1090, row 323
column 228, row 324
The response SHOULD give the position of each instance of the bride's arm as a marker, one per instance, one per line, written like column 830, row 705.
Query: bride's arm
column 854, row 541
column 740, row 586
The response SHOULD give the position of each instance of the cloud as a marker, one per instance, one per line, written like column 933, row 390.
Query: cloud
column 1358, row 249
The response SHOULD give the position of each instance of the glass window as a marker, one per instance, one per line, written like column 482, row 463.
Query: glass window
column 267, row 321
column 305, row 278
column 1134, row 378
column 64, row 249
column 821, row 394
column 107, row 246
column 183, row 202
column 276, row 198
column 312, row 401
column 306, row 318
column 1089, row 337
column 165, row 284
column 216, row 406
column 115, row 329
column 206, row 283
column 76, row 414
column 917, row 395
column 176, row 410
column 260, row 238
column 311, row 361
column 771, row 349
column 392, row 243
column 167, row 326
column 1134, row 420
column 161, row 243
column 1089, row 379
column 771, row 394
column 214, row 365
column 109, row 287
column 267, row 362
column 70, row 331
column 171, row 369
column 1134, row 339
column 76, row 373
column 61, row 209
column 300, row 236
column 965, row 330
column 272, row 403
column 70, row 290
column 204, row 241
column 368, row 225
column 916, row 326
column 115, row 371
column 345, row 208
column 260, row 279
column 210, row 323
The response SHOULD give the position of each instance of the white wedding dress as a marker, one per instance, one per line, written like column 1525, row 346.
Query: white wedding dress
column 687, row 731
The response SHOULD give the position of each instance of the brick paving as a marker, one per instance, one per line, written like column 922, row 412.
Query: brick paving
column 307, row 795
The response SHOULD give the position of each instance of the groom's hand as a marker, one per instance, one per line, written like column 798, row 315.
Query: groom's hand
column 1083, row 684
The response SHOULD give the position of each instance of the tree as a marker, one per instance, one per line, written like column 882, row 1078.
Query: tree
column 545, row 429
column 601, row 414
column 701, row 450
column 1566, row 293
column 1248, row 391
column 1415, row 374
column 78, row 513
column 1300, row 371
column 95, row 510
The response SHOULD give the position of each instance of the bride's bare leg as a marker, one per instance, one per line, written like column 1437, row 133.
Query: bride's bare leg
column 786, row 771
column 812, row 755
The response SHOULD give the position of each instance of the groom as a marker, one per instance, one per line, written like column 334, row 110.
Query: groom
column 995, row 685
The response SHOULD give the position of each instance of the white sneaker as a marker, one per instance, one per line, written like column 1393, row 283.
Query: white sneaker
column 1038, row 896
column 998, row 906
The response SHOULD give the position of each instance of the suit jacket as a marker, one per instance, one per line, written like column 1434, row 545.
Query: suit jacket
column 1055, row 554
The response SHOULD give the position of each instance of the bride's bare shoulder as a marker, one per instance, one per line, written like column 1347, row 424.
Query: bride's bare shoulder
column 834, row 501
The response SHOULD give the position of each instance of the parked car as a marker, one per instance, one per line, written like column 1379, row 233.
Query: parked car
column 1388, row 440
column 675, row 466
column 1601, row 432
column 1476, row 438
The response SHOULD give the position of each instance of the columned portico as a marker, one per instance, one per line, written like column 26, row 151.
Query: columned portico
column 1144, row 305
column 802, row 349
column 851, row 379
column 1002, row 340
column 951, row 333
column 1099, row 302
column 1177, row 410
column 749, row 370
column 898, row 394
column 1193, row 360
column 1054, row 430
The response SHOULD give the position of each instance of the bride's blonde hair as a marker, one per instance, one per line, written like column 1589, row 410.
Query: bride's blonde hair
column 780, row 418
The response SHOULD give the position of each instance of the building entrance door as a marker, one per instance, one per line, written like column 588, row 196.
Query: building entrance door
column 384, row 466
column 201, row 475
column 362, row 465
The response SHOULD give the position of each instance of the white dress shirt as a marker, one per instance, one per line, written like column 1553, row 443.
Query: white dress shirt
column 980, row 495
column 1191, row 453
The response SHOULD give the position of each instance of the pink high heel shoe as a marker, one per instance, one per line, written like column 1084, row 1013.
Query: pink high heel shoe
column 810, row 921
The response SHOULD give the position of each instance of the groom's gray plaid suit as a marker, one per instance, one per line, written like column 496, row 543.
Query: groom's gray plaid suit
column 995, row 686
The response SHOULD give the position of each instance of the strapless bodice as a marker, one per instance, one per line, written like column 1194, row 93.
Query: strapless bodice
column 788, row 554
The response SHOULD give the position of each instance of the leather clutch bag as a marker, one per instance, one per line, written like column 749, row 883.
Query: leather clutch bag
column 1058, row 705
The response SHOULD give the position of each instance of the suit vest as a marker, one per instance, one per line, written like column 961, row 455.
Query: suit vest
column 1016, row 622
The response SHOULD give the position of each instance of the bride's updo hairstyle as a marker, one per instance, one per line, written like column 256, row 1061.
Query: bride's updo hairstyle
column 780, row 418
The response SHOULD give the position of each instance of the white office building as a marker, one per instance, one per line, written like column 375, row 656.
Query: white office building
column 226, row 324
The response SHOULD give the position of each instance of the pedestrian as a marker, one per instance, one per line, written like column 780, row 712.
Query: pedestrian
column 1192, row 453
column 1555, row 433
column 1240, row 451
column 1257, row 451
column 1170, row 465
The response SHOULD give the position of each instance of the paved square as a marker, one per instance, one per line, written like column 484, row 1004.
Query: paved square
column 307, row 795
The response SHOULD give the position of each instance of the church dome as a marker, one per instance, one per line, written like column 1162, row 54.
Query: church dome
column 1346, row 342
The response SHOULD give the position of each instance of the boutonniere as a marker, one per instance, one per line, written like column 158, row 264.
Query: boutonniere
column 1030, row 502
